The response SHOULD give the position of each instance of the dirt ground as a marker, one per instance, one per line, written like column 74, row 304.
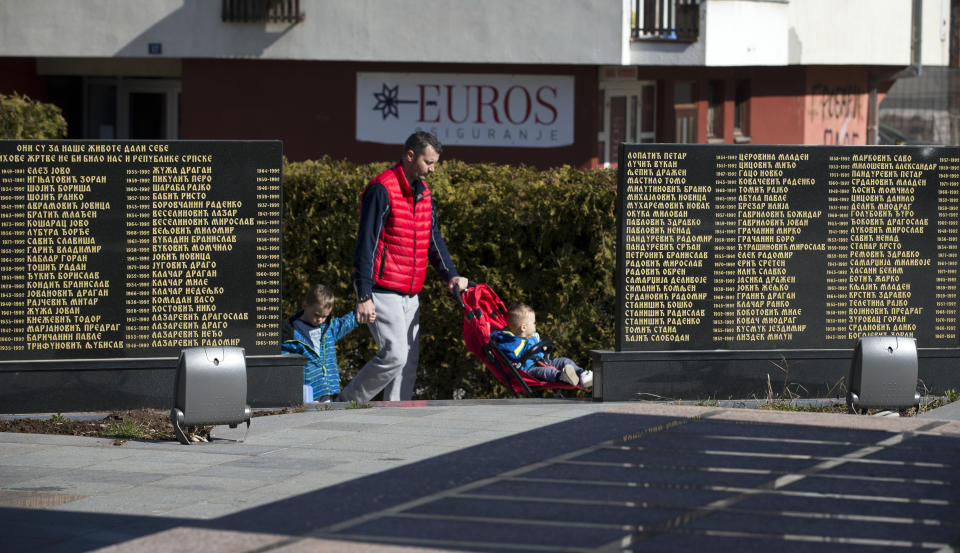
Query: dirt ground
column 144, row 424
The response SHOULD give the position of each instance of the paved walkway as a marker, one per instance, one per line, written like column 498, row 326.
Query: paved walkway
column 524, row 475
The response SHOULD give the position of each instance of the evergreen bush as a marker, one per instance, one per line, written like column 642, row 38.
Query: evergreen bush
column 541, row 237
column 24, row 118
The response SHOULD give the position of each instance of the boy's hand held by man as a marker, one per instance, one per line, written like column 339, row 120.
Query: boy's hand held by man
column 366, row 311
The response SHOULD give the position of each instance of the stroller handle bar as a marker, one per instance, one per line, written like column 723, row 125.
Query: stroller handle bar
column 459, row 293
column 543, row 346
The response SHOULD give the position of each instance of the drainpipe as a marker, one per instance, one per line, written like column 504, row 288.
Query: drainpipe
column 913, row 70
column 954, row 87
column 916, row 44
column 873, row 120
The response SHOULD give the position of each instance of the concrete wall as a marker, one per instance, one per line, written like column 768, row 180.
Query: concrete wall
column 595, row 32
column 864, row 32
column 492, row 31
column 742, row 32
column 821, row 32
column 837, row 104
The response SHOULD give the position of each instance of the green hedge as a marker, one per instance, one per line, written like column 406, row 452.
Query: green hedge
column 23, row 118
column 546, row 238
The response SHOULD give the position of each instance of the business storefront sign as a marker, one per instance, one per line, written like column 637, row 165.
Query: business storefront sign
column 527, row 111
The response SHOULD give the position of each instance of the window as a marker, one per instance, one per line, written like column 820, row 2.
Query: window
column 741, row 111
column 601, row 144
column 261, row 11
column 627, row 115
column 101, row 110
column 647, row 122
column 618, row 124
column 715, row 111
column 125, row 108
column 685, row 111
column 677, row 20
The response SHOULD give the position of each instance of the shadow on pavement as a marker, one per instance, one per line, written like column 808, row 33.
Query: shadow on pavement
column 611, row 481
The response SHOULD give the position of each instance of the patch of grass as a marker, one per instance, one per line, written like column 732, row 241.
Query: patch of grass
column 283, row 411
column 708, row 402
column 314, row 407
column 949, row 396
column 791, row 393
column 786, row 399
column 126, row 430
column 58, row 418
column 359, row 405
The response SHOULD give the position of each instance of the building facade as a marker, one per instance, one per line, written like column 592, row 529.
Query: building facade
column 538, row 82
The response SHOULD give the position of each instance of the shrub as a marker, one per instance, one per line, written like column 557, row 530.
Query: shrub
column 23, row 118
column 546, row 238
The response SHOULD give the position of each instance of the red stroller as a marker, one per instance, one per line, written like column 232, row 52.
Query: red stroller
column 483, row 313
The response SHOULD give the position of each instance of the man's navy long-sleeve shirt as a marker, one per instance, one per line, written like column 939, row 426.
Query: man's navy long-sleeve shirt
column 374, row 210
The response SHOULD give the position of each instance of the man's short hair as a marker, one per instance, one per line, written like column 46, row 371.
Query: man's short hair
column 320, row 295
column 419, row 141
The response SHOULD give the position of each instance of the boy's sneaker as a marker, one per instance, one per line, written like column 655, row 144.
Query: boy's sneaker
column 569, row 375
column 586, row 379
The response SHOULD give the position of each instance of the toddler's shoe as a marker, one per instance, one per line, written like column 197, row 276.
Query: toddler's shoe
column 586, row 379
column 569, row 375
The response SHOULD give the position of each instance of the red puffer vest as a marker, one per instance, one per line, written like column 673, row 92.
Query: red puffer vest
column 401, row 260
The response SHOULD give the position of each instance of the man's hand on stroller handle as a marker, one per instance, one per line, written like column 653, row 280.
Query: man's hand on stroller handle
column 458, row 282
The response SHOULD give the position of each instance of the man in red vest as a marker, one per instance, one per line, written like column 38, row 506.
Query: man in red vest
column 398, row 233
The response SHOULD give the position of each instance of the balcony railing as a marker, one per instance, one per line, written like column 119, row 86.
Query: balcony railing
column 261, row 11
column 673, row 20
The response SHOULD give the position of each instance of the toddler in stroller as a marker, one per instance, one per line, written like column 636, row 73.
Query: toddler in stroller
column 522, row 338
column 513, row 351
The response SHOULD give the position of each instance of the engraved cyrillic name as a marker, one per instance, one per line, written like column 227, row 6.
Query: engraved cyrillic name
column 790, row 246
column 137, row 249
column 770, row 230
column 665, row 286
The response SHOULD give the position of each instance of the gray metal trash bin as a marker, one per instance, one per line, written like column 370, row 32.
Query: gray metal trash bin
column 211, row 388
column 883, row 374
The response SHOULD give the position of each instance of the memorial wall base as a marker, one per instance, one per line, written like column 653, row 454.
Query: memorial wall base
column 742, row 374
column 107, row 385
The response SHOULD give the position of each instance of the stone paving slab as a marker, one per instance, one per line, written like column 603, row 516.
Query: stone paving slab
column 51, row 439
column 10, row 475
column 87, row 482
column 263, row 471
column 504, row 476
column 182, row 540
column 948, row 411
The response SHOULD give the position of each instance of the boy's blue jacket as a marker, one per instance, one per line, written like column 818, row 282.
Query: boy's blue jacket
column 320, row 370
column 513, row 346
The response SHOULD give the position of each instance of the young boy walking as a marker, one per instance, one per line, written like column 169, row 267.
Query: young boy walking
column 311, row 333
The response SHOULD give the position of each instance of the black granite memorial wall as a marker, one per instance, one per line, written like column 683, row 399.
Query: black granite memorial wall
column 736, row 262
column 116, row 255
